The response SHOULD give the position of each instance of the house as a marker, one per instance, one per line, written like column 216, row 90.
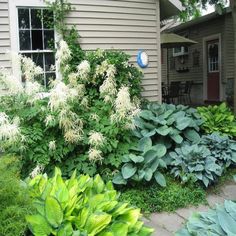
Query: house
column 209, row 63
column 128, row 25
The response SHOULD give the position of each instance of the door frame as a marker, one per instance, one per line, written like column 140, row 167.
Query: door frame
column 205, row 64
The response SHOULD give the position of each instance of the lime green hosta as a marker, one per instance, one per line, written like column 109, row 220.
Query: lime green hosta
column 81, row 206
column 218, row 119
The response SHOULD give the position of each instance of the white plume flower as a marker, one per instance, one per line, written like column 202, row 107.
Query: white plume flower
column 96, row 139
column 95, row 155
column 60, row 94
column 32, row 88
column 9, row 131
column 83, row 69
column 36, row 171
column 29, row 68
column 124, row 108
column 11, row 83
column 52, row 145
column 63, row 53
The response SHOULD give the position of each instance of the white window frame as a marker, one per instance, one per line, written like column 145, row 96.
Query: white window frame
column 181, row 53
column 216, row 62
column 14, row 28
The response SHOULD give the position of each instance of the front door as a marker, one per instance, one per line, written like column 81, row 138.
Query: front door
column 213, row 72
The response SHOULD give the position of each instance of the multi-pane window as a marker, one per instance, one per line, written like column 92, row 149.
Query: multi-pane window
column 37, row 39
column 213, row 57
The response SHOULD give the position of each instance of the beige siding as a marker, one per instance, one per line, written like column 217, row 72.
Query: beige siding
column 4, row 34
column 228, row 49
column 128, row 25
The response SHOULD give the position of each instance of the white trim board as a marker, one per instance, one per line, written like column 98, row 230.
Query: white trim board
column 13, row 18
column 204, row 41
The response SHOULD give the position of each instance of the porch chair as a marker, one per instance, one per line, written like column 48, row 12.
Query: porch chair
column 185, row 94
column 174, row 92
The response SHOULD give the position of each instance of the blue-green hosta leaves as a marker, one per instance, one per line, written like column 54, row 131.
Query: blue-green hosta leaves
column 221, row 147
column 144, row 163
column 220, row 221
column 218, row 119
column 194, row 162
column 90, row 207
column 173, row 123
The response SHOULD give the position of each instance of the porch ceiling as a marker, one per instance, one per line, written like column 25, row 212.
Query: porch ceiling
column 169, row 8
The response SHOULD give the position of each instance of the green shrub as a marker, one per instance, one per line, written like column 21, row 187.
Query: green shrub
column 194, row 162
column 218, row 119
column 14, row 200
column 220, row 221
column 222, row 148
column 81, row 206
column 168, row 124
column 153, row 198
column 143, row 164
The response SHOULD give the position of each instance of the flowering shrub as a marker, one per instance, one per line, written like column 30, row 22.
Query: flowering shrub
column 82, row 121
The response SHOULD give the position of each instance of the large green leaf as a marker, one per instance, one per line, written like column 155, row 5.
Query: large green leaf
column 183, row 123
column 53, row 211
column 38, row 225
column 97, row 222
column 136, row 159
column 160, row 150
column 128, row 170
column 160, row 178
column 192, row 135
column 145, row 144
column 118, row 179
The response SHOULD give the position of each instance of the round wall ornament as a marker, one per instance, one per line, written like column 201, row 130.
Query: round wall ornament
column 142, row 59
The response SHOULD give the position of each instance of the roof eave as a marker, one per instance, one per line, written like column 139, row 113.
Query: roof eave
column 169, row 8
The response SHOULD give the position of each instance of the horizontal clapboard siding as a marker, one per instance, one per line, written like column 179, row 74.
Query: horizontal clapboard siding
column 128, row 25
column 4, row 34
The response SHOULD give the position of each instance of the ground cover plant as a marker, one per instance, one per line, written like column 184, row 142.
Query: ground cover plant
column 220, row 221
column 218, row 119
column 14, row 199
column 81, row 206
column 152, row 198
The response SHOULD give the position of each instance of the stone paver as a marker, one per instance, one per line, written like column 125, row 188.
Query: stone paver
column 166, row 224
column 187, row 212
column 171, row 222
column 214, row 199
column 229, row 191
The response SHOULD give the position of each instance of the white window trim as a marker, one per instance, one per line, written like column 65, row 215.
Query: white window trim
column 14, row 36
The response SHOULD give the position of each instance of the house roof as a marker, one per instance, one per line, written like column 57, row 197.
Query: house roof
column 198, row 20
column 169, row 8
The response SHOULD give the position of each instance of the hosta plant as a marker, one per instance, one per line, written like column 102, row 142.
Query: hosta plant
column 222, row 148
column 195, row 163
column 220, row 221
column 168, row 124
column 143, row 163
column 81, row 206
column 218, row 119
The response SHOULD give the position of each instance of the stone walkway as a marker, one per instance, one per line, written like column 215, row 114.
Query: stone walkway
column 166, row 224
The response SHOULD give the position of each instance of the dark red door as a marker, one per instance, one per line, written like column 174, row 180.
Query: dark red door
column 213, row 73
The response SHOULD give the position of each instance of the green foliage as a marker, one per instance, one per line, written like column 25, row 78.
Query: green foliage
column 220, row 221
column 153, row 198
column 81, row 206
column 218, row 119
column 168, row 124
column 194, row 162
column 222, row 148
column 14, row 200
column 127, row 74
column 143, row 164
